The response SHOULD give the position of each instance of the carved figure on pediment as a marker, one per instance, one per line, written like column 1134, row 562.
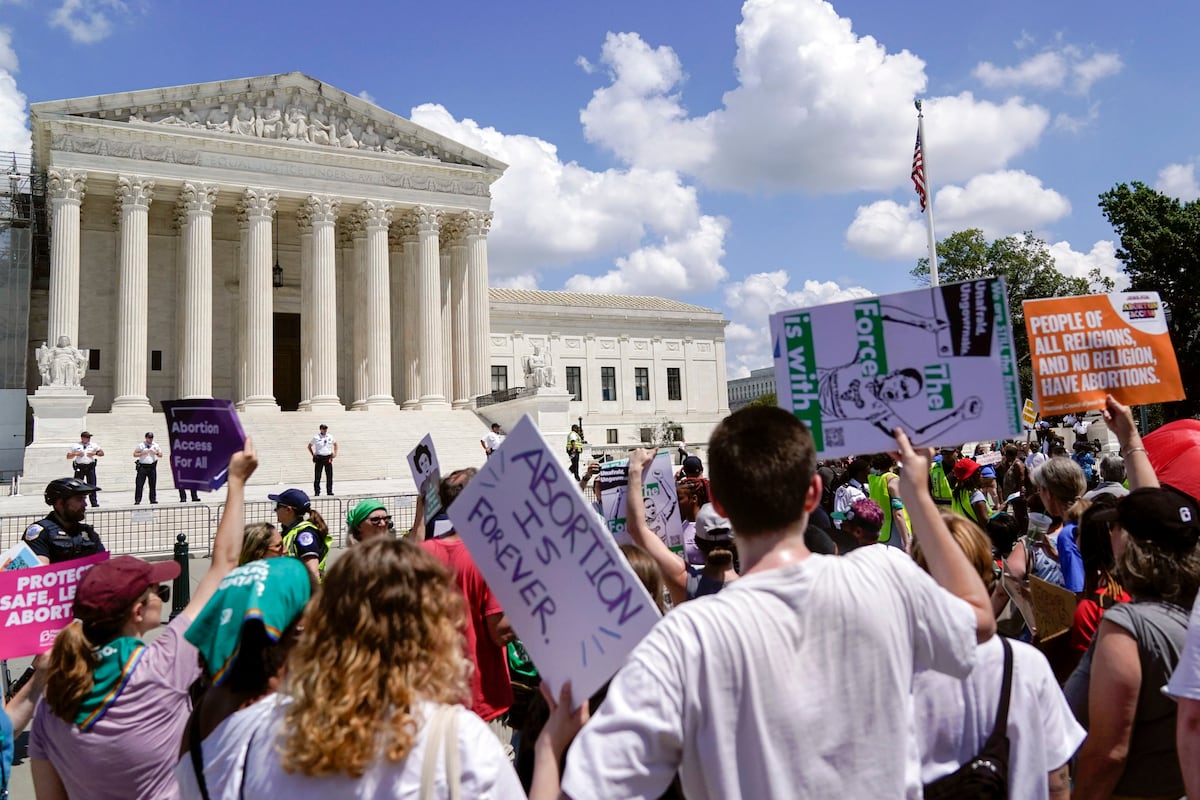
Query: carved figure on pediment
column 347, row 138
column 296, row 127
column 185, row 117
column 270, row 120
column 370, row 139
column 61, row 365
column 244, row 121
column 136, row 116
column 320, row 130
column 218, row 119
column 395, row 145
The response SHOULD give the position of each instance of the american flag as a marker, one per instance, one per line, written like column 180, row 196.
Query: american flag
column 918, row 172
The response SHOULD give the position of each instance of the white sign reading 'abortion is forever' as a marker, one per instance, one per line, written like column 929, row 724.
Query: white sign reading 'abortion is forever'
column 568, row 591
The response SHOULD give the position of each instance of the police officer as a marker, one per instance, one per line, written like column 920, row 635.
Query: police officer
column 63, row 535
column 83, row 458
column 306, row 539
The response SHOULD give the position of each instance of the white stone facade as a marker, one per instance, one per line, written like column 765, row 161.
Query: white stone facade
column 169, row 209
column 666, row 359
column 752, row 387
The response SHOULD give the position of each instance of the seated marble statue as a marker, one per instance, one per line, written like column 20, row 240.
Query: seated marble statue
column 370, row 139
column 218, row 119
column 185, row 116
column 243, row 121
column 320, row 131
column 538, row 372
column 61, row 365
column 296, row 128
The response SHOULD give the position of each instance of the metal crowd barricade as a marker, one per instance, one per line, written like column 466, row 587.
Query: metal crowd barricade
column 151, row 530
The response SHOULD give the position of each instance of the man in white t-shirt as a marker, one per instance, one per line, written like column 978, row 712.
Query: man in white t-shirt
column 752, row 693
column 491, row 441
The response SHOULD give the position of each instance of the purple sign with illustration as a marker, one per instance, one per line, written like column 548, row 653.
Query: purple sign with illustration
column 204, row 435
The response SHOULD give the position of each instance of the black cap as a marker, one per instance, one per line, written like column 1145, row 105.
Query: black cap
column 1165, row 516
column 323, row 427
column 67, row 487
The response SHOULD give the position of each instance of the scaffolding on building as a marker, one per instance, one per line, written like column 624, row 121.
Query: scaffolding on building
column 24, row 246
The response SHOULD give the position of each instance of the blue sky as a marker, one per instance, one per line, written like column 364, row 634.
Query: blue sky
column 747, row 158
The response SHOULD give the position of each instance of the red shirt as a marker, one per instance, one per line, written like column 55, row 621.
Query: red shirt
column 491, row 689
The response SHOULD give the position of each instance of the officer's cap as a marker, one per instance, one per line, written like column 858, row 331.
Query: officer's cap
column 67, row 487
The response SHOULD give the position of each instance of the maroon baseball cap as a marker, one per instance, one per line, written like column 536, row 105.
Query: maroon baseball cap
column 111, row 587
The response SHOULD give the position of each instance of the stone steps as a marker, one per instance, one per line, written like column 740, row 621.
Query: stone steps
column 371, row 446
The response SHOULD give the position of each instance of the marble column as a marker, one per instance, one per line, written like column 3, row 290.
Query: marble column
column 304, row 226
column 196, row 203
column 479, row 306
column 429, row 307
column 460, row 319
column 396, row 299
column 410, row 343
column 358, row 319
column 321, row 322
column 243, row 306
column 377, row 308
column 65, row 188
column 259, row 323
column 133, row 200
column 444, row 294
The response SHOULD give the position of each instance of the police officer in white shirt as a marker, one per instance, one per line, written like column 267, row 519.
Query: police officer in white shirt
column 323, row 448
column 83, row 457
column 146, row 456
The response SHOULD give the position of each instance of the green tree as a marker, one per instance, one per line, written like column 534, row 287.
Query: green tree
column 1160, row 247
column 1028, row 270
column 767, row 399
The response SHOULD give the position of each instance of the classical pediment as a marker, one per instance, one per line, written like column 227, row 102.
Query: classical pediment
column 289, row 109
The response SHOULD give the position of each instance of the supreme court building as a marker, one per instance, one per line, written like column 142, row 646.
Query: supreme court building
column 282, row 243
column 285, row 224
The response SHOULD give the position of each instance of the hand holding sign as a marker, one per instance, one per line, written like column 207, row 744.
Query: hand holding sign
column 205, row 435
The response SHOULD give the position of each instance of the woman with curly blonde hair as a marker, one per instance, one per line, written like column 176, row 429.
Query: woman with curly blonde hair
column 371, row 706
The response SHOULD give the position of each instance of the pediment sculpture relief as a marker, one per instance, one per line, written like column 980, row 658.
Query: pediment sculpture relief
column 293, row 117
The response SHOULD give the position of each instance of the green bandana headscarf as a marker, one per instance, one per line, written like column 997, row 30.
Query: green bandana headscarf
column 118, row 659
column 272, row 591
column 361, row 512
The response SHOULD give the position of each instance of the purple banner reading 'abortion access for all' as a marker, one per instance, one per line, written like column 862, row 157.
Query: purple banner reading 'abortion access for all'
column 203, row 436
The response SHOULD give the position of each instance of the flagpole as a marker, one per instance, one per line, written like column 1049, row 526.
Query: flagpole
column 933, row 263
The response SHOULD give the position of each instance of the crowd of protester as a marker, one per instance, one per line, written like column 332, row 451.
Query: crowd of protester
column 858, row 628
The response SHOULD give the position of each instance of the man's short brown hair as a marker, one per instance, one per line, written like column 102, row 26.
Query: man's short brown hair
column 761, row 461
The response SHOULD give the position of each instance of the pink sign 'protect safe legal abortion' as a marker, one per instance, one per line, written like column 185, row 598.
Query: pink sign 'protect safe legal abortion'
column 35, row 604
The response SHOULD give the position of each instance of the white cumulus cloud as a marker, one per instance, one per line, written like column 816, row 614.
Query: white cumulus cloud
column 14, row 115
column 1062, row 67
column 1102, row 256
column 87, row 21
column 1178, row 181
column 550, row 214
column 998, row 203
column 753, row 299
column 817, row 108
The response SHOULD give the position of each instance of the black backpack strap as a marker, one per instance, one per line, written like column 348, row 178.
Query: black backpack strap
column 1000, row 727
column 195, row 751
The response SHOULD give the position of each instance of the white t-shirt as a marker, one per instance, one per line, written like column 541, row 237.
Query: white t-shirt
column 954, row 718
column 224, row 752
column 847, row 495
column 1035, row 459
column 1185, row 681
column 485, row 769
column 492, row 440
column 794, row 683
column 85, row 453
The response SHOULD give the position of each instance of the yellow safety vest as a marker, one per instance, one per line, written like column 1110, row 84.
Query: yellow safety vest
column 877, row 487
column 289, row 543
column 942, row 495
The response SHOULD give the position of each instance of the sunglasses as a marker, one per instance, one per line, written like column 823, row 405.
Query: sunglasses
column 163, row 591
column 379, row 520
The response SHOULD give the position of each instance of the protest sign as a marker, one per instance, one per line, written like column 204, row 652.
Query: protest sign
column 568, row 591
column 204, row 435
column 989, row 459
column 35, row 604
column 426, row 472
column 1028, row 415
column 937, row 362
column 1083, row 348
column 1053, row 608
column 658, row 490
column 19, row 556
